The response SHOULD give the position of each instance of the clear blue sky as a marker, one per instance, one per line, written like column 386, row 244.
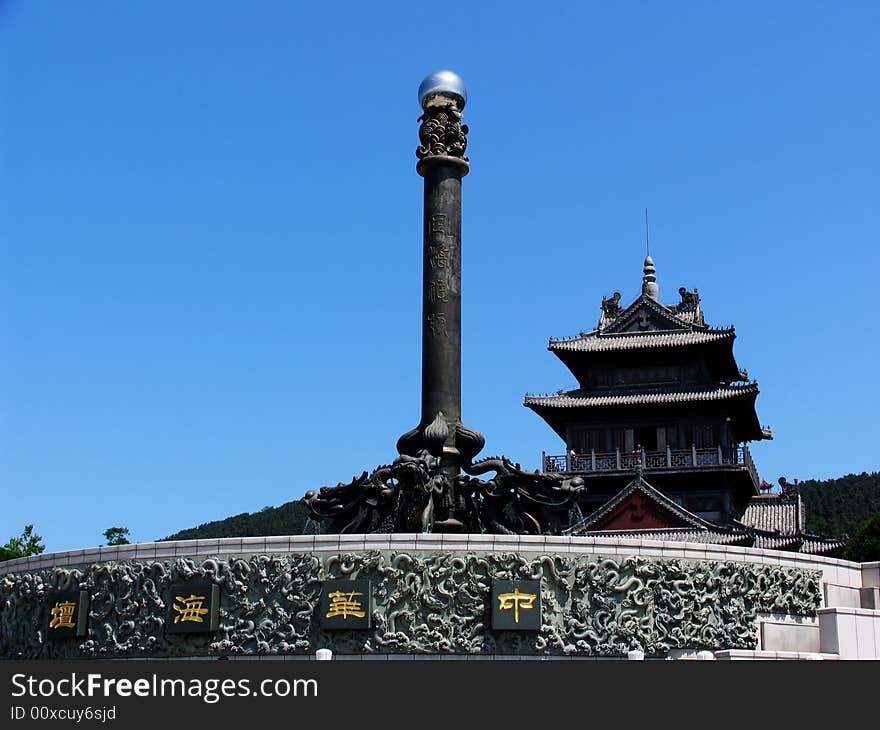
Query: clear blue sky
column 210, row 232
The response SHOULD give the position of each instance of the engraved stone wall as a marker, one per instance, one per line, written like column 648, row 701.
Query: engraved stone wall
column 426, row 602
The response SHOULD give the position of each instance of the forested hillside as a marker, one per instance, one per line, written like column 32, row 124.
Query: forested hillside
column 840, row 506
column 288, row 519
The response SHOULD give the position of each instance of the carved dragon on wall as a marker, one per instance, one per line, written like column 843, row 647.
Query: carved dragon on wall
column 423, row 602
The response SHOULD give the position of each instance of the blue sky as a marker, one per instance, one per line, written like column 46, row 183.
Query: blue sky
column 210, row 232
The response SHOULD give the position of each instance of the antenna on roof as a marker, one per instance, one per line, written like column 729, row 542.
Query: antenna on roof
column 649, row 280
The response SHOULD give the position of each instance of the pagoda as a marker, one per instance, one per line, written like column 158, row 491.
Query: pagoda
column 659, row 424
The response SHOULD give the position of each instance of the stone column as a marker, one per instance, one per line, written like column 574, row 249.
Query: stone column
column 441, row 294
column 442, row 164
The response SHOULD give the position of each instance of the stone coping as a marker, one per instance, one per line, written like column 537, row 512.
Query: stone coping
column 850, row 611
column 752, row 654
column 871, row 575
column 842, row 572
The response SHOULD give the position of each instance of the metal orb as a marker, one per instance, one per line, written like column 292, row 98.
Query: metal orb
column 447, row 83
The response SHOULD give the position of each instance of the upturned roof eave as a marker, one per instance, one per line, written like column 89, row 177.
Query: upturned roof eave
column 558, row 427
column 649, row 339
column 558, row 414
column 569, row 401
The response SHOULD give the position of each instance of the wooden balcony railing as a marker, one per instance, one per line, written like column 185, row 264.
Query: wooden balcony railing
column 669, row 459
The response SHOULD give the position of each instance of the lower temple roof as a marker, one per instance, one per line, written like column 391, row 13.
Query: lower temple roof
column 779, row 526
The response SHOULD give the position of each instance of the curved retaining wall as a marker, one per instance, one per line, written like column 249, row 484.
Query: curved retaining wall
column 432, row 594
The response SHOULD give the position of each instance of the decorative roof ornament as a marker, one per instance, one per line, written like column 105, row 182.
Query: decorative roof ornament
column 650, row 287
column 689, row 300
column 611, row 309
column 689, row 307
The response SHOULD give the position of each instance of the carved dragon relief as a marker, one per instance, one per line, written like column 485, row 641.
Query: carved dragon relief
column 422, row 603
column 416, row 494
column 411, row 494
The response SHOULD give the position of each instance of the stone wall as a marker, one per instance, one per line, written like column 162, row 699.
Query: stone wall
column 431, row 593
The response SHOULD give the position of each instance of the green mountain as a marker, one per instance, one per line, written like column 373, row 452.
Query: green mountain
column 840, row 506
column 288, row 519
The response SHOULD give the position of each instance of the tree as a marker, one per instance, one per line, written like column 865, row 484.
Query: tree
column 116, row 535
column 865, row 544
column 21, row 547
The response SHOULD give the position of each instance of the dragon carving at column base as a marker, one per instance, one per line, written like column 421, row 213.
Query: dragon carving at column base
column 413, row 495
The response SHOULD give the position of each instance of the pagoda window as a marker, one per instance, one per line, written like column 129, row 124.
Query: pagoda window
column 642, row 375
column 584, row 440
column 668, row 437
column 709, row 505
column 622, row 439
column 669, row 374
column 726, row 437
column 703, row 436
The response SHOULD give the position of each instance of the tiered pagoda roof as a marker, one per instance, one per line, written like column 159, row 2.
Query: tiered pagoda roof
column 598, row 341
column 648, row 331
column 585, row 399
column 652, row 368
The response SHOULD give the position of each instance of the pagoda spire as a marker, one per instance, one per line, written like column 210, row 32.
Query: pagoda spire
column 649, row 280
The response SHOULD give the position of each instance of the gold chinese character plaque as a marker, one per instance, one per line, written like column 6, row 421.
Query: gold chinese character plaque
column 345, row 604
column 68, row 614
column 193, row 607
column 516, row 605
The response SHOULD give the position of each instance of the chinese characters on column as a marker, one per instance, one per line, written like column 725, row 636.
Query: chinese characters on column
column 438, row 224
column 437, row 282
column 437, row 323
column 438, row 291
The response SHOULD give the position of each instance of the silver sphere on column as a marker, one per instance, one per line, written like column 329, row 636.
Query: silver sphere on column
column 443, row 83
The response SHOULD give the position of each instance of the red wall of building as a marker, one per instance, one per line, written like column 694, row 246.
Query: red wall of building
column 639, row 513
